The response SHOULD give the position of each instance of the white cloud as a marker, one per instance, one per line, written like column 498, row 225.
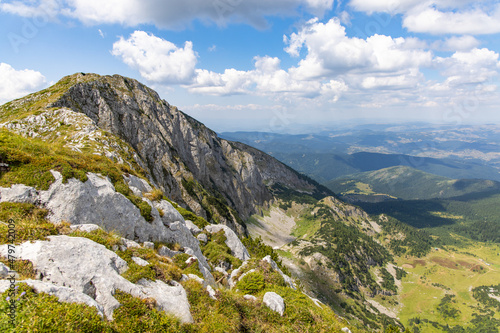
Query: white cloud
column 463, row 17
column 157, row 59
column 434, row 21
column 472, row 67
column 454, row 43
column 17, row 83
column 267, row 79
column 330, row 53
column 166, row 14
column 40, row 8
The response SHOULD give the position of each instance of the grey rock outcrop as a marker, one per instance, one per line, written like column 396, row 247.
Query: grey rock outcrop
column 4, row 270
column 193, row 227
column 275, row 302
column 137, row 185
column 274, row 266
column 18, row 193
column 232, row 279
column 202, row 238
column 89, row 268
column 96, row 202
column 174, row 147
column 232, row 241
column 166, row 252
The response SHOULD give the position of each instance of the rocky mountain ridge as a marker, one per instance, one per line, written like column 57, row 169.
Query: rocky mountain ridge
column 219, row 180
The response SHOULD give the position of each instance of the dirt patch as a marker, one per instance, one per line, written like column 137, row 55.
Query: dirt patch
column 477, row 268
column 408, row 266
column 420, row 262
column 465, row 264
column 445, row 263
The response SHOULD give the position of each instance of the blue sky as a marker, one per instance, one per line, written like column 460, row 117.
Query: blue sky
column 283, row 65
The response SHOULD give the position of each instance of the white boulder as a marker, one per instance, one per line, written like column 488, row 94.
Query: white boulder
column 140, row 261
column 275, row 302
column 232, row 241
column 87, row 227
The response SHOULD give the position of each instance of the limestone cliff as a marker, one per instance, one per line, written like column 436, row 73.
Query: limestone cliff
column 220, row 180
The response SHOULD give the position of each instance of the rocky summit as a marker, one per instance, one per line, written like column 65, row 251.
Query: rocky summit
column 220, row 180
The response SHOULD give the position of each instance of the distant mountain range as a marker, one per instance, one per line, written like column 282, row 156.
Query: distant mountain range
column 469, row 152
column 410, row 184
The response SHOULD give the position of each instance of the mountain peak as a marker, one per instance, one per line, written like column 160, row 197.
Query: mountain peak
column 223, row 181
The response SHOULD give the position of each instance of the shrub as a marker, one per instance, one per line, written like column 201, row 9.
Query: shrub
column 44, row 313
column 251, row 283
column 108, row 239
column 30, row 222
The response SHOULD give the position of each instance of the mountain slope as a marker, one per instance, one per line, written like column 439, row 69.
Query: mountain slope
column 409, row 184
column 220, row 180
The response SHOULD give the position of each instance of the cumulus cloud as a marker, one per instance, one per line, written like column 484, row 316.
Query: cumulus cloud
column 330, row 53
column 157, row 59
column 456, row 43
column 266, row 79
column 466, row 17
column 474, row 66
column 166, row 14
column 434, row 21
column 17, row 83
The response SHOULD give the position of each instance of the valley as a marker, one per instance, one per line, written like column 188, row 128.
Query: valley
column 436, row 212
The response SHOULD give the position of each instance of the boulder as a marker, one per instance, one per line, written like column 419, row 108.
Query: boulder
column 232, row 241
column 170, row 214
column 166, row 252
column 346, row 330
column 275, row 302
column 211, row 292
column 171, row 299
column 127, row 243
column 250, row 298
column 140, row 261
column 137, row 185
column 202, row 238
column 193, row 227
column 148, row 245
column 87, row 227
